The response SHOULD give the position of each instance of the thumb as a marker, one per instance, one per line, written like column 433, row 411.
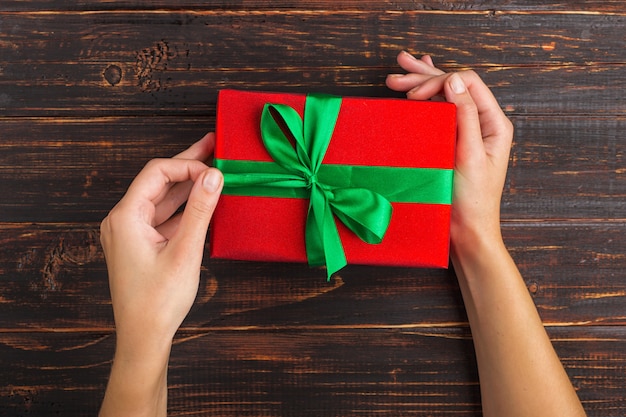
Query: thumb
column 469, row 134
column 194, row 223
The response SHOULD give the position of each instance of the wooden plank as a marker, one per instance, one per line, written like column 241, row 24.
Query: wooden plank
column 300, row 372
column 357, row 38
column 571, row 278
column 54, row 373
column 566, row 167
column 588, row 6
column 70, row 170
column 113, row 64
column 555, row 90
column 54, row 277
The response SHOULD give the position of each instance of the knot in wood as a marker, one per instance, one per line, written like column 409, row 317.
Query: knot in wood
column 113, row 74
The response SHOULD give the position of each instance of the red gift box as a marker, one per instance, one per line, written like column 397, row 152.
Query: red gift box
column 370, row 132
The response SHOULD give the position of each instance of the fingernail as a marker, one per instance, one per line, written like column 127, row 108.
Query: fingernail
column 409, row 55
column 395, row 75
column 212, row 181
column 413, row 90
column 457, row 84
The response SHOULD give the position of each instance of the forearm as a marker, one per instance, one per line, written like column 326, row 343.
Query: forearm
column 138, row 383
column 519, row 371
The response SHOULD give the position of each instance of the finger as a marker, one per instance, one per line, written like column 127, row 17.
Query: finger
column 168, row 228
column 190, row 236
column 176, row 194
column 469, row 135
column 171, row 202
column 428, row 59
column 431, row 87
column 406, row 82
column 419, row 71
column 159, row 175
column 421, row 66
column 201, row 150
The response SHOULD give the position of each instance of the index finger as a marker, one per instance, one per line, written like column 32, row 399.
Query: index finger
column 159, row 175
column 201, row 150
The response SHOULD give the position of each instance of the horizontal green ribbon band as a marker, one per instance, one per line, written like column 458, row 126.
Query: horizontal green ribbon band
column 396, row 184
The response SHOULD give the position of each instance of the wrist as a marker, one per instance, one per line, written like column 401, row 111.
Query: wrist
column 485, row 270
column 138, row 347
column 470, row 245
column 477, row 257
column 138, row 381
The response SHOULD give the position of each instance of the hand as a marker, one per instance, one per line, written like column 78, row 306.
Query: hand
column 484, row 141
column 154, row 255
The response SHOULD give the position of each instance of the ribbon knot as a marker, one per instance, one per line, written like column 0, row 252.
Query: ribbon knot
column 311, row 181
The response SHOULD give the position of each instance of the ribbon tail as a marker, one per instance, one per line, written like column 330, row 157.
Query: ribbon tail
column 323, row 244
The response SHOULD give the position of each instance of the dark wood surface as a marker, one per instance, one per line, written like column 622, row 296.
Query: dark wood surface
column 89, row 91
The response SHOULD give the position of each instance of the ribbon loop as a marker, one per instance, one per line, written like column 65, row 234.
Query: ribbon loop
column 320, row 117
column 369, row 219
column 280, row 125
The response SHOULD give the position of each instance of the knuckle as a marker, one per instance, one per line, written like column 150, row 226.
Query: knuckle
column 507, row 127
column 105, row 229
column 153, row 164
column 200, row 208
column 112, row 224
column 469, row 106
column 510, row 128
column 469, row 76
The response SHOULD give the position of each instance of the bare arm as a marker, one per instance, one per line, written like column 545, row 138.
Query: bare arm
column 520, row 373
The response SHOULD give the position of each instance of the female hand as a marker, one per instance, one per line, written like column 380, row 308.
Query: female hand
column 483, row 144
column 153, row 254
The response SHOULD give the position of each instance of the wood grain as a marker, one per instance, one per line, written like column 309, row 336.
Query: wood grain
column 116, row 64
column 91, row 90
column 492, row 6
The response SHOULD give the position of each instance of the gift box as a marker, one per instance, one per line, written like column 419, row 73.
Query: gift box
column 331, row 180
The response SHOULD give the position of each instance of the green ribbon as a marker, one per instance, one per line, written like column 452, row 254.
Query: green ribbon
column 359, row 196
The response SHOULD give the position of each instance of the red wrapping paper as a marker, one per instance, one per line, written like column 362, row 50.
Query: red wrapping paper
column 369, row 131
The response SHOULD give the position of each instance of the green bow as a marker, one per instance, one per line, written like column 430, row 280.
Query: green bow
column 359, row 196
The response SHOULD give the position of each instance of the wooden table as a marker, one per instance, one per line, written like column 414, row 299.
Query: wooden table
column 89, row 91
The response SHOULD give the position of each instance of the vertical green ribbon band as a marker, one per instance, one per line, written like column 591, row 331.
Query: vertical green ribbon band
column 359, row 196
